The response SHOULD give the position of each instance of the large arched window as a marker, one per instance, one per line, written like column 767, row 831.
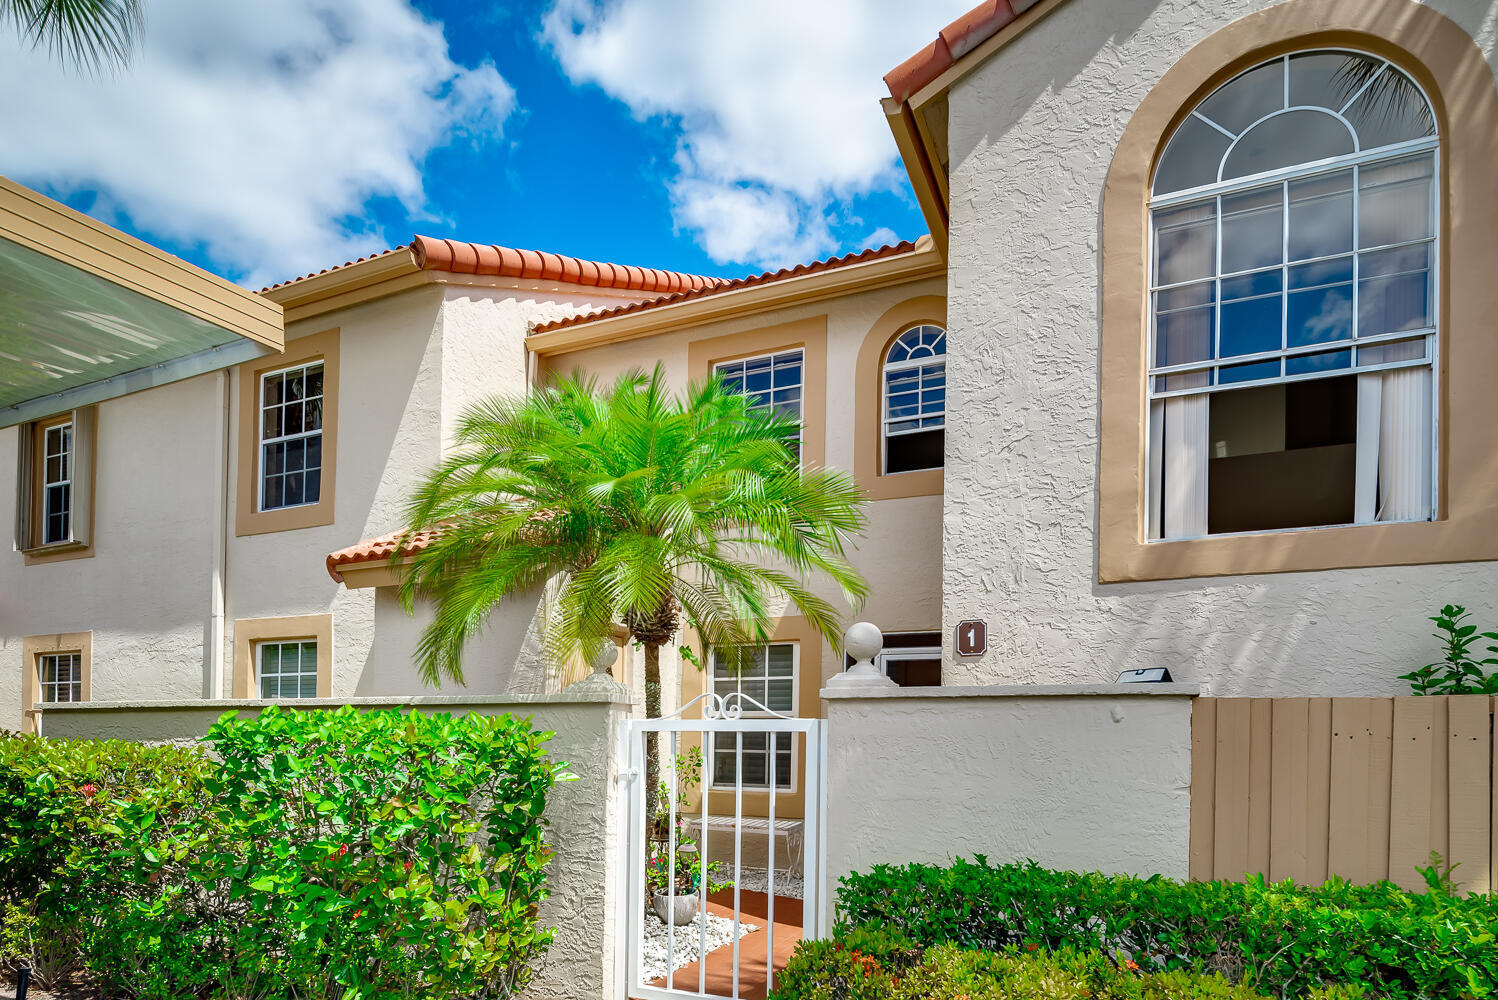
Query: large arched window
column 915, row 400
column 1293, row 334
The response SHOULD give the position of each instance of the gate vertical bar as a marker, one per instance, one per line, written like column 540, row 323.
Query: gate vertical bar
column 774, row 744
column 671, row 870
column 636, row 856
column 705, row 785
column 738, row 843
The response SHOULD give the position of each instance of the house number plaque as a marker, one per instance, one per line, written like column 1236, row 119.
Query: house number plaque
column 972, row 638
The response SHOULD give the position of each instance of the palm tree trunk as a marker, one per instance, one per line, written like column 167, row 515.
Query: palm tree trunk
column 652, row 711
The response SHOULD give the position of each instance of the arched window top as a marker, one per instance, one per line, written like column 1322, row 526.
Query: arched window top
column 919, row 343
column 1294, row 110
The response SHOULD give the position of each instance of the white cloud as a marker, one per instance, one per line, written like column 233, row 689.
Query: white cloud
column 776, row 101
column 878, row 238
column 258, row 131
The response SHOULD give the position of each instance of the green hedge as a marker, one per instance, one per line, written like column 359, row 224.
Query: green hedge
column 306, row 854
column 870, row 965
column 1282, row 939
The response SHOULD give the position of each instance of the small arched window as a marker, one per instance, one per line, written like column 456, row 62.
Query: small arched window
column 1293, row 302
column 915, row 400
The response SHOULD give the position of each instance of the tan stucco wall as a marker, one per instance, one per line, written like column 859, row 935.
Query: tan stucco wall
column 1089, row 781
column 1032, row 133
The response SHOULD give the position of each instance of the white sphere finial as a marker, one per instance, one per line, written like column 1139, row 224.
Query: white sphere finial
column 862, row 641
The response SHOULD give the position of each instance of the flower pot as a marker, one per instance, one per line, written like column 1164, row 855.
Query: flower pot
column 676, row 910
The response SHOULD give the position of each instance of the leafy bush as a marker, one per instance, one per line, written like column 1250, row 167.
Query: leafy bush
column 866, row 965
column 1282, row 939
column 335, row 854
column 1458, row 671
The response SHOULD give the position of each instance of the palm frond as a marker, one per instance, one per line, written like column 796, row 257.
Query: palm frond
column 89, row 34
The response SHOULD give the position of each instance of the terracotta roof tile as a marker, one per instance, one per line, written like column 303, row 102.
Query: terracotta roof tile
column 955, row 41
column 372, row 549
column 458, row 257
column 729, row 285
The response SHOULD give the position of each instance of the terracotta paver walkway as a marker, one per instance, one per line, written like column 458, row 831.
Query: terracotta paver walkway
column 754, row 909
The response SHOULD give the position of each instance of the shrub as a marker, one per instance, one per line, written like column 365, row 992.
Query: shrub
column 336, row 854
column 864, row 966
column 60, row 801
column 1282, row 939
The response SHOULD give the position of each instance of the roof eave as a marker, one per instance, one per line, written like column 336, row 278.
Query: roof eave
column 924, row 261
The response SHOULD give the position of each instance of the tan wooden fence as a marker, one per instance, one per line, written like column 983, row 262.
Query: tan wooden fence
column 1364, row 788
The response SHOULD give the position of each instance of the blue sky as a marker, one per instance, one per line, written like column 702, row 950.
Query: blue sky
column 713, row 137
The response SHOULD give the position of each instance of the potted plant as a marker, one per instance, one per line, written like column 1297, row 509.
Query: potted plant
column 675, row 898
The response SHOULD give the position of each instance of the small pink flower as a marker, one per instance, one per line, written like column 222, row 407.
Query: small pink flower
column 89, row 790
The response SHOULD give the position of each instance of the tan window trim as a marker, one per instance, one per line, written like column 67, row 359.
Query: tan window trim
column 33, row 648
column 1444, row 60
column 868, row 403
column 30, row 478
column 808, row 334
column 248, row 518
column 249, row 631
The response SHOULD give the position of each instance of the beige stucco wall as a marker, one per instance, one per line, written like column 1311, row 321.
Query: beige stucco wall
column 583, row 815
column 1032, row 133
column 1077, row 779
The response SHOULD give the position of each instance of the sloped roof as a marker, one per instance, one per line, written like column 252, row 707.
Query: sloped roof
column 373, row 549
column 429, row 253
column 952, row 43
column 729, row 285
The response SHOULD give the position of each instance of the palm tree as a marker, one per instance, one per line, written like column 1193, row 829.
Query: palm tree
column 90, row 34
column 639, row 507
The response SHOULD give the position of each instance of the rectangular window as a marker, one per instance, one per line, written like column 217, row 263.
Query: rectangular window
column 767, row 675
column 771, row 381
column 57, row 483
column 287, row 669
column 61, row 676
column 291, row 420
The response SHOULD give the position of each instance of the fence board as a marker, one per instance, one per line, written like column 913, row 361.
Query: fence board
column 1347, row 839
column 1260, row 744
column 1289, row 854
column 1203, row 784
column 1470, row 792
column 1381, row 750
column 1411, row 784
column 1318, row 789
column 1230, row 836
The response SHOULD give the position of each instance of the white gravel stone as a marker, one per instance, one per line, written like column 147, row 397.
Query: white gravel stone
column 756, row 880
column 688, row 941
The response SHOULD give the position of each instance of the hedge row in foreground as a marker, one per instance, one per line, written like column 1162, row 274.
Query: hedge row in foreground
column 298, row 854
column 1281, row 939
column 869, row 965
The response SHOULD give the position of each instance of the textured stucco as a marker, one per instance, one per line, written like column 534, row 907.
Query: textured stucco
column 583, row 815
column 1031, row 133
column 1089, row 782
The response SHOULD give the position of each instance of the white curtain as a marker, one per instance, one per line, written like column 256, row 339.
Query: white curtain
column 1187, row 434
column 1394, row 446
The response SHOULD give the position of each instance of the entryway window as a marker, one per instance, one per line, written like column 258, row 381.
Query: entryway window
column 287, row 669
column 291, row 412
column 915, row 400
column 766, row 674
column 1293, row 302
column 771, row 381
column 60, row 676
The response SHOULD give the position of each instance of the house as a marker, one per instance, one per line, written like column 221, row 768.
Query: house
column 1189, row 372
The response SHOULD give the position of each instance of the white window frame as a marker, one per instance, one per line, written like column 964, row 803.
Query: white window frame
column 885, row 420
column 256, row 651
column 303, row 367
column 750, row 712
column 52, row 687
column 1202, row 194
column 65, row 433
column 773, row 356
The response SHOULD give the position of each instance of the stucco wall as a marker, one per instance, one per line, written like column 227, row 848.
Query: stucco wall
column 146, row 591
column 1070, row 778
column 583, row 816
column 1032, row 132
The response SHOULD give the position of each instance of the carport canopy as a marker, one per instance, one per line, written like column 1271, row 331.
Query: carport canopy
column 88, row 313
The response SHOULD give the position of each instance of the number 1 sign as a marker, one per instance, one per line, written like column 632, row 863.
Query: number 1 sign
column 972, row 638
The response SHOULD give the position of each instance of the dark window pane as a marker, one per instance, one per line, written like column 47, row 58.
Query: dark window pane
column 273, row 386
column 1395, row 202
column 1252, row 228
column 275, row 459
column 293, row 485
column 1286, row 140
column 1306, row 364
column 273, row 493
column 913, row 452
column 1185, row 244
column 311, row 486
column 272, row 422
column 1248, row 373
column 1184, row 324
column 1247, row 97
column 1391, row 110
column 1321, row 216
column 291, row 420
column 313, row 415
column 314, row 381
column 1191, row 158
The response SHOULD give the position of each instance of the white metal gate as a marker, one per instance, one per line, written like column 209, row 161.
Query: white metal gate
column 743, row 747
